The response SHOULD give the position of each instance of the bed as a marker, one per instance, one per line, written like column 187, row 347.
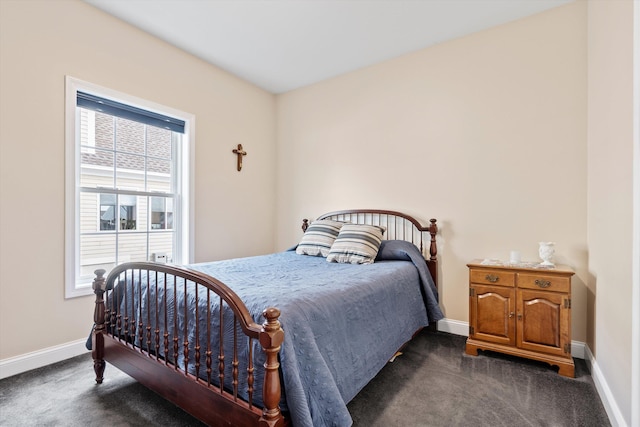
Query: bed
column 280, row 339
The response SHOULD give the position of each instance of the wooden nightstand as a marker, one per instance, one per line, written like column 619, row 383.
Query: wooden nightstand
column 521, row 311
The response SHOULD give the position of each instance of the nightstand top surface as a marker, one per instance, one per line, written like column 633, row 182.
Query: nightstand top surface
column 530, row 266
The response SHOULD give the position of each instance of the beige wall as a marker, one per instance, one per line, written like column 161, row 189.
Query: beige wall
column 610, row 196
column 486, row 133
column 40, row 43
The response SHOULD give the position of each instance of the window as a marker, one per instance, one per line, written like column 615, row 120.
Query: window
column 161, row 213
column 127, row 180
column 107, row 212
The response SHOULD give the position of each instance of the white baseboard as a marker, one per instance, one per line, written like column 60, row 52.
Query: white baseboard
column 577, row 349
column 37, row 359
column 458, row 327
column 451, row 326
column 606, row 396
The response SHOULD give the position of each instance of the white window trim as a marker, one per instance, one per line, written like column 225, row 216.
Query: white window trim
column 185, row 239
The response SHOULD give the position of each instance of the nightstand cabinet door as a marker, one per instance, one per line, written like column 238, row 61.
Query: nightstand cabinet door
column 543, row 322
column 492, row 314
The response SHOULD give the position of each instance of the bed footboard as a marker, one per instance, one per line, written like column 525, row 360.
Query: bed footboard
column 170, row 346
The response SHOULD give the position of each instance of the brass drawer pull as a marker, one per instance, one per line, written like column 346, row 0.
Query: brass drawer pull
column 543, row 283
column 492, row 278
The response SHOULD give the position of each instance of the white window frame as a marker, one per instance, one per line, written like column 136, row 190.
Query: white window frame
column 74, row 286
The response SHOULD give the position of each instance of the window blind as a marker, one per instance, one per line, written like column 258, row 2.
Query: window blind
column 108, row 106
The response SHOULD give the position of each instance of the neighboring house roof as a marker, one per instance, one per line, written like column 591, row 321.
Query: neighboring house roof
column 130, row 145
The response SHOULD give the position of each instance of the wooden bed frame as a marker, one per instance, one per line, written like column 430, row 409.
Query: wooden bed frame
column 117, row 338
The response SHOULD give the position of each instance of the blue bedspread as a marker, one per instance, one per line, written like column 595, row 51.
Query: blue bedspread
column 342, row 322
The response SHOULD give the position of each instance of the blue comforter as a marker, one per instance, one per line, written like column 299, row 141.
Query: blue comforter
column 342, row 322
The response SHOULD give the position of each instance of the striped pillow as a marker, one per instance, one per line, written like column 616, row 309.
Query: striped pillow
column 319, row 237
column 356, row 244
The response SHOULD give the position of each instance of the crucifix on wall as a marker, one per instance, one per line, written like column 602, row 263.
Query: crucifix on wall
column 239, row 152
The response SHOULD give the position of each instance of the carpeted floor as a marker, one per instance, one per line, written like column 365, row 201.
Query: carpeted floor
column 432, row 384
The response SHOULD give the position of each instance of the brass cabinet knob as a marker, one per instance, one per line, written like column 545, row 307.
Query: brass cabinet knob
column 492, row 278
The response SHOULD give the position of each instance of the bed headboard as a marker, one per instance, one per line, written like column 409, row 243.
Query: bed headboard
column 399, row 226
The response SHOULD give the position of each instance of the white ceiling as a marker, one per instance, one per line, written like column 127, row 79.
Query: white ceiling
column 280, row 45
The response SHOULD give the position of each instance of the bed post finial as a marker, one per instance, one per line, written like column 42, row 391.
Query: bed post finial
column 305, row 225
column 271, row 338
column 433, row 251
column 433, row 230
column 99, row 287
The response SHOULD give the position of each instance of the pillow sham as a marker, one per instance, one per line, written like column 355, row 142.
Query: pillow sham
column 356, row 244
column 319, row 237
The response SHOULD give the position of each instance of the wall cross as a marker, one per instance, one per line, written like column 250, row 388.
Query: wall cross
column 239, row 152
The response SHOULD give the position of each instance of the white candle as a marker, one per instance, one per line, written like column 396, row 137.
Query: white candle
column 514, row 257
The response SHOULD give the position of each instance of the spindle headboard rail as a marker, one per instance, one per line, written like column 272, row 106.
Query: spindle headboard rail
column 397, row 225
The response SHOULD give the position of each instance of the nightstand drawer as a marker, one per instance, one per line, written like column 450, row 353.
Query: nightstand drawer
column 541, row 281
column 492, row 277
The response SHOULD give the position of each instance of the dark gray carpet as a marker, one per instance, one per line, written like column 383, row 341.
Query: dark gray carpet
column 432, row 384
